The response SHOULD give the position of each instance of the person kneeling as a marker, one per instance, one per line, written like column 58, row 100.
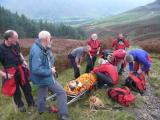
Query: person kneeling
column 106, row 73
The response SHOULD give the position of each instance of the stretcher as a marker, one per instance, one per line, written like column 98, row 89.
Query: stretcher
column 75, row 89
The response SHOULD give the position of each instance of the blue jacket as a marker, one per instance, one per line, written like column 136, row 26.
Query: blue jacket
column 40, row 70
column 141, row 57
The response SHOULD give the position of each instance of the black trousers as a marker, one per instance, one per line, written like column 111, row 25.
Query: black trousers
column 90, row 63
column 104, row 79
column 74, row 65
column 26, row 90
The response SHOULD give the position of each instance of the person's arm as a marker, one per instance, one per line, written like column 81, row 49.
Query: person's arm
column 131, row 66
column 146, row 64
column 126, row 43
column 21, row 55
column 23, row 60
column 88, row 53
column 81, row 60
column 52, row 59
column 3, row 74
column 77, row 60
column 114, row 43
column 98, row 50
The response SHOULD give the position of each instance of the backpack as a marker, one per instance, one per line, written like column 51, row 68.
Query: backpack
column 121, row 95
column 136, row 82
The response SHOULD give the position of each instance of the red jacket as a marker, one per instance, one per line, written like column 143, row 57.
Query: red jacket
column 9, row 85
column 117, row 45
column 108, row 69
column 94, row 46
column 118, row 56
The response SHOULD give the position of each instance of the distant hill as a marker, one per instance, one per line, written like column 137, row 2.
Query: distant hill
column 71, row 11
column 138, row 23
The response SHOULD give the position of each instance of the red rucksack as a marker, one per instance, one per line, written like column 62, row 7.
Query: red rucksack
column 121, row 95
column 136, row 82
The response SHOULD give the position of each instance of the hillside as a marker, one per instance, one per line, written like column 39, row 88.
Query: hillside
column 138, row 22
column 71, row 11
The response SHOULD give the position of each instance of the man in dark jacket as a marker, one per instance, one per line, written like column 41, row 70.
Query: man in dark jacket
column 42, row 74
column 76, row 56
column 14, row 71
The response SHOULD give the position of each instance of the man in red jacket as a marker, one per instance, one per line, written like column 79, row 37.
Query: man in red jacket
column 120, row 42
column 94, row 43
column 106, row 73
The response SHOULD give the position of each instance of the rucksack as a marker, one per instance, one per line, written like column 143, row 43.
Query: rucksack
column 136, row 82
column 121, row 95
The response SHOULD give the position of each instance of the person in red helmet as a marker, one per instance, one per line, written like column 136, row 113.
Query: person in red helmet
column 120, row 42
column 94, row 43
column 106, row 73
column 117, row 58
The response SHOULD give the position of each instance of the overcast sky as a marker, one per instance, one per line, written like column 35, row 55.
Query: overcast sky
column 60, row 8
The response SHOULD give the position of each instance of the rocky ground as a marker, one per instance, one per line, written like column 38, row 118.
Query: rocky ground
column 151, row 107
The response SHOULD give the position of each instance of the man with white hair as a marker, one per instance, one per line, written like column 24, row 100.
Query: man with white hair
column 14, row 73
column 94, row 43
column 42, row 74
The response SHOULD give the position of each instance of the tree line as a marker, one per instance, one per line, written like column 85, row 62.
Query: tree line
column 28, row 28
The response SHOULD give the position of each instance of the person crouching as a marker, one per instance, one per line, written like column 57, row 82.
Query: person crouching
column 106, row 73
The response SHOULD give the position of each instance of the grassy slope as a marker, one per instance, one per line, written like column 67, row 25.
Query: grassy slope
column 142, row 22
column 80, row 110
column 124, row 18
column 154, row 78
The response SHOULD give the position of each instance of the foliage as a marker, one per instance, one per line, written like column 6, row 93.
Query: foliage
column 30, row 28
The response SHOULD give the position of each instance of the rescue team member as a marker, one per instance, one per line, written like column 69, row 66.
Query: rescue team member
column 139, row 60
column 94, row 43
column 117, row 58
column 14, row 73
column 120, row 42
column 106, row 73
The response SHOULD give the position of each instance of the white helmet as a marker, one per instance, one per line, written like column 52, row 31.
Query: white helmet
column 94, row 36
column 102, row 61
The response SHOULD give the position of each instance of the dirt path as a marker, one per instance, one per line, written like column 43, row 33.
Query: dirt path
column 151, row 108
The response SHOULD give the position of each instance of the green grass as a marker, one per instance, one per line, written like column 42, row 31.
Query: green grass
column 123, row 18
column 154, row 77
column 80, row 110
